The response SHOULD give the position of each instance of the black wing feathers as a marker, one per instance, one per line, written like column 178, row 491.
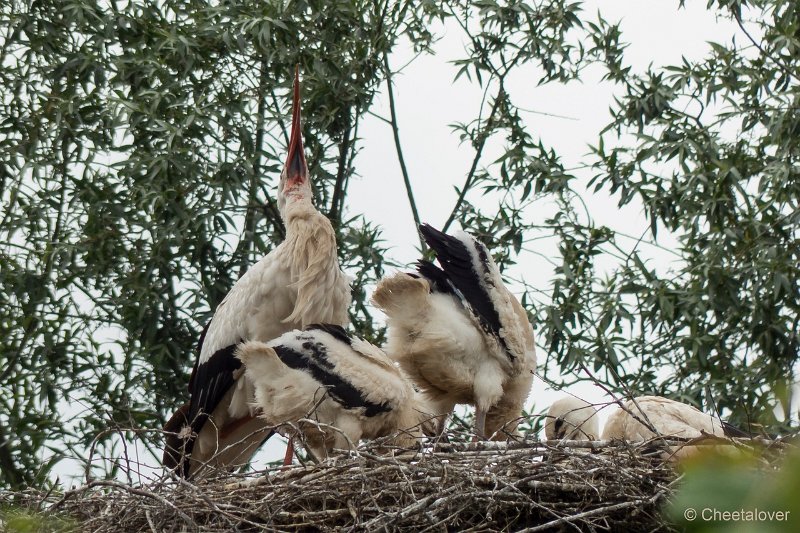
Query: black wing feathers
column 437, row 278
column 199, row 351
column 212, row 380
column 334, row 330
column 314, row 360
column 456, row 261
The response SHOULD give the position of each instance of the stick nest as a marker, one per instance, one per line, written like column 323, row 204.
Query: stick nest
column 483, row 486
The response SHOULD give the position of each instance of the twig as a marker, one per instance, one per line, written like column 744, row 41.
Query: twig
column 482, row 136
column 602, row 510
column 738, row 16
column 399, row 149
column 121, row 486
column 469, row 486
column 338, row 189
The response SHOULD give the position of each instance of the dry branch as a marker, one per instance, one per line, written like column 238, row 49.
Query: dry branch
column 483, row 486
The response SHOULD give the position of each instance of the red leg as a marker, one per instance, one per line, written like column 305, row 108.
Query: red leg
column 287, row 459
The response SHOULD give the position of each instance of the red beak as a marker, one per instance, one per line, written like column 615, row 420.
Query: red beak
column 296, row 168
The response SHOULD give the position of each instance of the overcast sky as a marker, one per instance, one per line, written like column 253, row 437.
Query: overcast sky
column 428, row 101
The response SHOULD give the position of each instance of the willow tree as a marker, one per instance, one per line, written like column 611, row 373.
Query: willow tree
column 140, row 142
column 714, row 158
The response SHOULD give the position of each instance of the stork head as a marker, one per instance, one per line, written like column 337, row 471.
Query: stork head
column 571, row 418
column 294, row 184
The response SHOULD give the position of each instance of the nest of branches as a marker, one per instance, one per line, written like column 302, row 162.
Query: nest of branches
column 480, row 486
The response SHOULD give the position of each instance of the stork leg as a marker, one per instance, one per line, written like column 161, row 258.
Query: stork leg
column 287, row 459
column 480, row 424
column 441, row 426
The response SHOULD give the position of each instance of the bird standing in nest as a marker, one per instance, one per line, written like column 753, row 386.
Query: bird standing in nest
column 460, row 334
column 335, row 389
column 297, row 284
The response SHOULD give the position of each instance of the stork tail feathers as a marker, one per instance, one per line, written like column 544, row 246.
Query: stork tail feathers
column 402, row 296
column 734, row 432
column 175, row 444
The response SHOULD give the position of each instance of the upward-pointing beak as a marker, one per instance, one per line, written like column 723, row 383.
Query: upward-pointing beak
column 296, row 168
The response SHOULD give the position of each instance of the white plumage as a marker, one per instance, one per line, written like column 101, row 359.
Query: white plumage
column 646, row 417
column 298, row 283
column 639, row 419
column 571, row 418
column 640, row 416
column 460, row 334
column 346, row 384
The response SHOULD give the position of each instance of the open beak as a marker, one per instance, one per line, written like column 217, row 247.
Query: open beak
column 296, row 168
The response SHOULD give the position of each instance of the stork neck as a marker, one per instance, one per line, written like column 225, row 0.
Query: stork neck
column 309, row 230
column 310, row 249
column 298, row 213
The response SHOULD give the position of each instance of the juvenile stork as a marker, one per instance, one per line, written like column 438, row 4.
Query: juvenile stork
column 646, row 417
column 296, row 284
column 460, row 334
column 571, row 418
column 345, row 384
column 639, row 417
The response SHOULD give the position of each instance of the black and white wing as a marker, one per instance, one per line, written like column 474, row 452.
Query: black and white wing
column 469, row 269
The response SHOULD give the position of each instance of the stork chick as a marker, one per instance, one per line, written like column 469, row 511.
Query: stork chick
column 296, row 284
column 459, row 333
column 352, row 388
column 646, row 417
column 571, row 418
column 667, row 417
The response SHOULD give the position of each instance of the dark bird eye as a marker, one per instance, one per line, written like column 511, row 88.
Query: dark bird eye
column 561, row 430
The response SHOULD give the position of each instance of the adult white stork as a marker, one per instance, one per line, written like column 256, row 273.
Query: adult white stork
column 298, row 283
column 350, row 387
column 460, row 334
column 647, row 417
column 571, row 418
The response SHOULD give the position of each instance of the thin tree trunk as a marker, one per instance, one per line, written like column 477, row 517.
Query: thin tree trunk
column 399, row 149
column 338, row 190
column 248, row 235
column 482, row 137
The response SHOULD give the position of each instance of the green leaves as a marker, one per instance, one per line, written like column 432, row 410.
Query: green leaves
column 139, row 149
column 724, row 492
column 140, row 146
column 728, row 311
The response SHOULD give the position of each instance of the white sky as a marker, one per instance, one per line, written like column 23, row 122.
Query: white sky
column 428, row 101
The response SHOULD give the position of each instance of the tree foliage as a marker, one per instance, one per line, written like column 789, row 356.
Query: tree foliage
column 140, row 145
column 140, row 142
column 713, row 158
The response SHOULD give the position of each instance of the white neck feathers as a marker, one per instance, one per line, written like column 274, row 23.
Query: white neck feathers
column 323, row 290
